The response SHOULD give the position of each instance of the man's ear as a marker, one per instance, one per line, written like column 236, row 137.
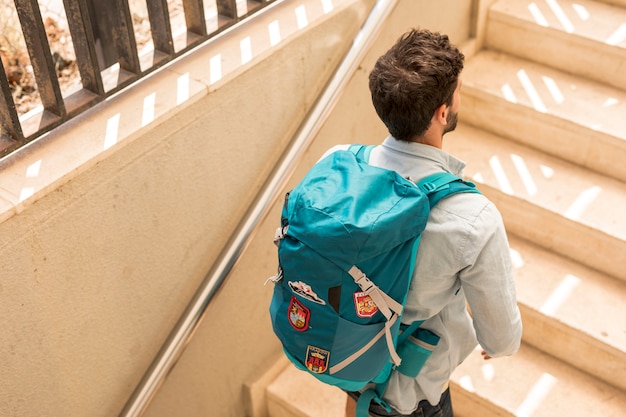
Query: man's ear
column 441, row 114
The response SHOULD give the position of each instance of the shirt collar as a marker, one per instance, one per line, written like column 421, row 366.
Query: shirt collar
column 448, row 162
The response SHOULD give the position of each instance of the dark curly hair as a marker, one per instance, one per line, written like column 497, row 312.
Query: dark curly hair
column 409, row 82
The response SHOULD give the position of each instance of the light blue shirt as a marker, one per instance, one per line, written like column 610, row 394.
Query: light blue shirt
column 463, row 256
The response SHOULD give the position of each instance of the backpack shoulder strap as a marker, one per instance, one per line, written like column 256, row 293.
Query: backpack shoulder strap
column 362, row 151
column 436, row 186
column 443, row 184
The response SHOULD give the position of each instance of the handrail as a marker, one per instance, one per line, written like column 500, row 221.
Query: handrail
column 190, row 320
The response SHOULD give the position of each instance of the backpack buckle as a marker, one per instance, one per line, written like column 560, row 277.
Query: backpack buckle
column 429, row 187
column 360, row 278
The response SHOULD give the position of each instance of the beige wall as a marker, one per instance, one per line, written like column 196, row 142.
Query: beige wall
column 97, row 270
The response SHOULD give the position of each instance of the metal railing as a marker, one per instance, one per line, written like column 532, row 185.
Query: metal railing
column 186, row 326
column 104, row 52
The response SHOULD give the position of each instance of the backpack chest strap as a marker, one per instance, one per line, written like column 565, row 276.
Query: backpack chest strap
column 389, row 307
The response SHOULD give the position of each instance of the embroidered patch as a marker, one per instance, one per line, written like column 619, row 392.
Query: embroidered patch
column 317, row 359
column 305, row 291
column 298, row 315
column 365, row 306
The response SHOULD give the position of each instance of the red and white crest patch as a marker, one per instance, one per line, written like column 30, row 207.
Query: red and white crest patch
column 299, row 315
column 365, row 306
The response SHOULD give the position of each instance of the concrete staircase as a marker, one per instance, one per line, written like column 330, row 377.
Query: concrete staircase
column 543, row 133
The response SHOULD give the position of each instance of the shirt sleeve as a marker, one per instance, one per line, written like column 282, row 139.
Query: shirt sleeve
column 489, row 285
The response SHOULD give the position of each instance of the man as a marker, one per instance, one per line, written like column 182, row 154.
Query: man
column 464, row 254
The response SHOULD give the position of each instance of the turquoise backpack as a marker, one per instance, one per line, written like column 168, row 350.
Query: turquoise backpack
column 347, row 244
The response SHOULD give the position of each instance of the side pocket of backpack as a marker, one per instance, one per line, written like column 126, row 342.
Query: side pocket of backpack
column 415, row 350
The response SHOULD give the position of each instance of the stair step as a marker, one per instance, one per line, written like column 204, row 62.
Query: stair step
column 294, row 393
column 619, row 3
column 561, row 206
column 531, row 383
column 575, row 119
column 579, row 36
column 572, row 312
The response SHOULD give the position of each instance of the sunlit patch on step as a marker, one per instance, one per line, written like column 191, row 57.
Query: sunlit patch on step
column 531, row 91
column 560, row 295
column 26, row 193
column 488, row 372
column 245, row 46
column 516, row 258
column 582, row 203
column 560, row 15
column 112, row 131
column 33, row 169
column 32, row 172
column 535, row 397
column 618, row 36
column 327, row 5
column 274, row 30
column 147, row 115
column 522, row 170
column 182, row 87
column 547, row 171
column 508, row 94
column 478, row 177
column 301, row 17
column 466, row 383
column 540, row 19
column 581, row 11
column 554, row 90
column 215, row 65
column 503, row 180
column 610, row 102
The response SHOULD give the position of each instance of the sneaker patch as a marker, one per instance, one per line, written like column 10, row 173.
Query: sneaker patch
column 304, row 290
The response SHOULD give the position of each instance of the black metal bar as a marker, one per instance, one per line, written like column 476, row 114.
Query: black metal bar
column 253, row 6
column 40, row 56
column 194, row 16
column 227, row 8
column 160, row 26
column 10, row 126
column 82, row 32
column 124, row 37
column 101, row 18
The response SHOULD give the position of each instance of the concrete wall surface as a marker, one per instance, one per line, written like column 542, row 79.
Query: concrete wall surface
column 97, row 266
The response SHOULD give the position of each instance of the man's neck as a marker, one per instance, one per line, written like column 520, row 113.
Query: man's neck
column 431, row 137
